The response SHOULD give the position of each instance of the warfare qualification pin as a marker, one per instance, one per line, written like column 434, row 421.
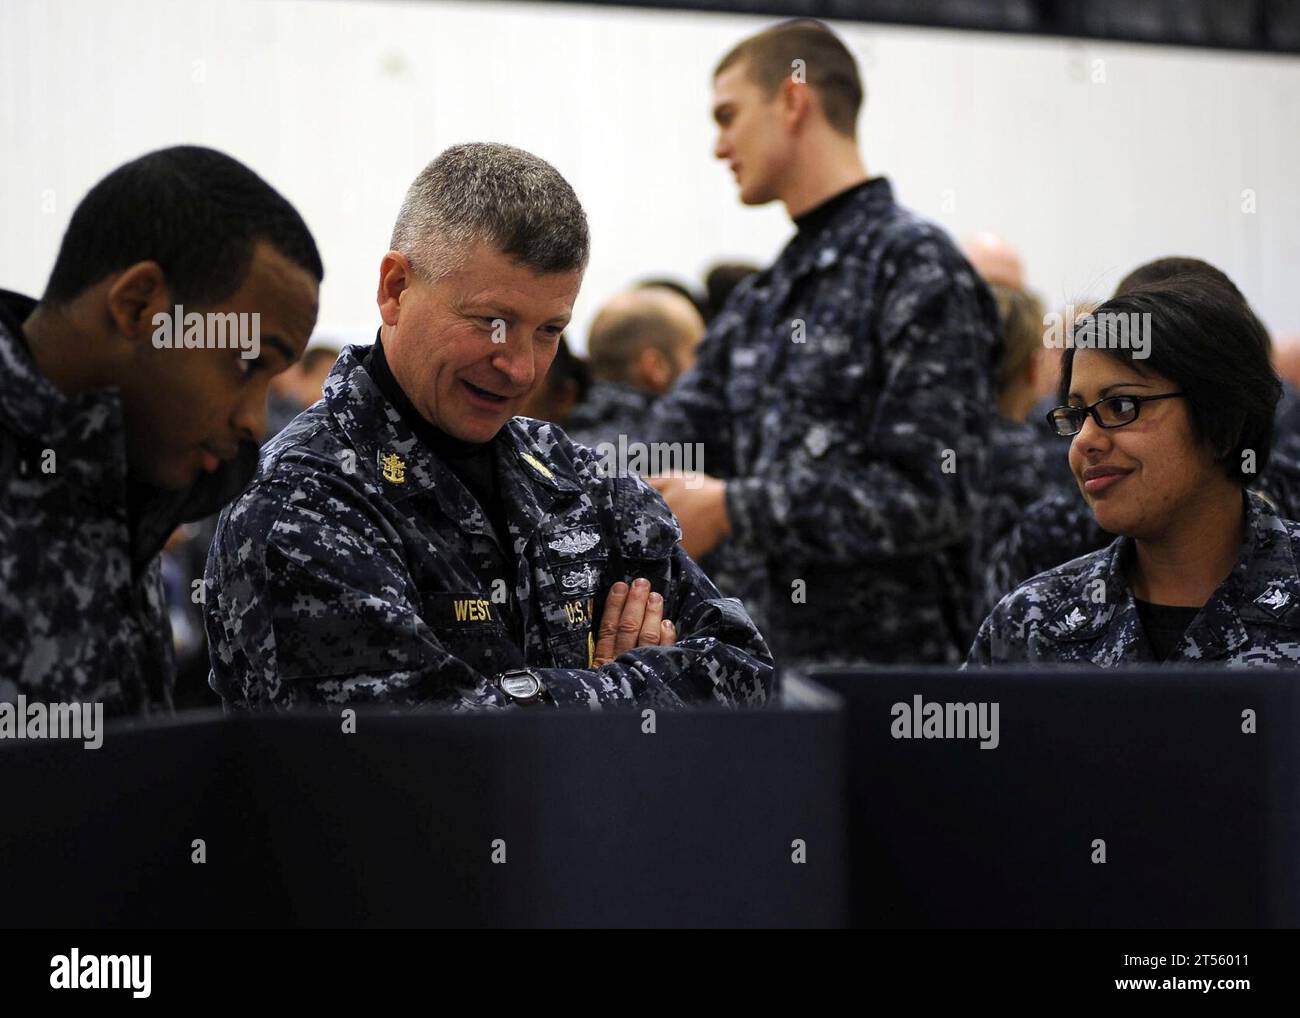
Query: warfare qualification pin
column 394, row 468
column 537, row 465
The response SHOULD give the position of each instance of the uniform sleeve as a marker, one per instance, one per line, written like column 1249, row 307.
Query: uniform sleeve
column 719, row 657
column 901, row 472
column 694, row 411
column 1006, row 635
column 1055, row 529
column 309, row 602
column 981, row 651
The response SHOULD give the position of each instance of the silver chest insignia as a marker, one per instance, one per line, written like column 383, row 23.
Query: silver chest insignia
column 580, row 579
column 575, row 542
column 1274, row 599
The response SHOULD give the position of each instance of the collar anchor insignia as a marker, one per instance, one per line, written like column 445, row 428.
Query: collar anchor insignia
column 1275, row 599
column 1074, row 619
column 394, row 468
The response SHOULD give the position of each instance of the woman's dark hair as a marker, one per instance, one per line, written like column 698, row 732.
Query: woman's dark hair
column 1206, row 340
column 1162, row 270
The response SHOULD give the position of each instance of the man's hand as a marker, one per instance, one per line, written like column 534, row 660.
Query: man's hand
column 633, row 617
column 700, row 504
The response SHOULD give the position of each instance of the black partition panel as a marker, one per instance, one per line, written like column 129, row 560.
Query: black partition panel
column 1264, row 25
column 1197, row 816
column 520, row 819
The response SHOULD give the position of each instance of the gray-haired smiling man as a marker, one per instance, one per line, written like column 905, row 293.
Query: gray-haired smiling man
column 409, row 541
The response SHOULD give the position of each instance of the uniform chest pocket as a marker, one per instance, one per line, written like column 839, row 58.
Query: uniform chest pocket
column 827, row 372
column 571, row 631
column 472, row 627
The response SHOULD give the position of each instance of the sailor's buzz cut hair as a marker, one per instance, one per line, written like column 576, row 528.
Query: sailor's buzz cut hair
column 518, row 203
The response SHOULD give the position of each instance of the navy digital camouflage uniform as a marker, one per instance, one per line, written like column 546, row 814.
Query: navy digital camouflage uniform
column 1286, row 424
column 1022, row 467
column 845, row 395
column 279, row 413
column 359, row 569
column 1084, row 612
column 1054, row 526
column 82, row 611
column 609, row 410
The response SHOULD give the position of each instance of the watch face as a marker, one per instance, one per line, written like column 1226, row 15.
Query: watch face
column 521, row 687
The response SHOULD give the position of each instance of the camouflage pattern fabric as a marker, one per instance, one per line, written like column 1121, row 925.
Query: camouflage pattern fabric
column 1022, row 467
column 1084, row 612
column 845, row 395
column 82, row 610
column 358, row 569
column 610, row 410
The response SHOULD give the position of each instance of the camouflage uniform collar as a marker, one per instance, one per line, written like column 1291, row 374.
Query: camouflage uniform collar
column 1265, row 582
column 1098, row 595
column 820, row 246
column 387, row 449
column 86, row 434
column 539, row 485
column 402, row 465
column 530, row 446
column 84, row 431
column 1263, row 587
column 824, row 211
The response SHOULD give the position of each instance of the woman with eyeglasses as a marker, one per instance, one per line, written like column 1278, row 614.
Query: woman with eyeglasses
column 1164, row 448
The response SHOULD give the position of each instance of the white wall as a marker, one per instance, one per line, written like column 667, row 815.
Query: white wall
column 1090, row 158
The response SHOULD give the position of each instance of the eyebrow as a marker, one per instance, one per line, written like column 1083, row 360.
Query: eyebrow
column 501, row 311
column 721, row 108
column 498, row 310
column 1107, row 389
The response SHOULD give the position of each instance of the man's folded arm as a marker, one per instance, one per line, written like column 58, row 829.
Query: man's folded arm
column 305, row 608
column 719, row 656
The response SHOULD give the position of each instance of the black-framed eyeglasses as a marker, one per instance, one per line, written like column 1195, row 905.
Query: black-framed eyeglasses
column 1111, row 412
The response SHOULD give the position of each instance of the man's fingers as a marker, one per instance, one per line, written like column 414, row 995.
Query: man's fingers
column 652, row 624
column 633, row 617
column 609, row 620
column 629, row 626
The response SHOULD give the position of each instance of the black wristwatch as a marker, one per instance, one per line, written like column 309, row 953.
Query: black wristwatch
column 521, row 685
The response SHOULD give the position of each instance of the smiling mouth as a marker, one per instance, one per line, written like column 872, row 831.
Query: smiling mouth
column 1097, row 484
column 484, row 394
